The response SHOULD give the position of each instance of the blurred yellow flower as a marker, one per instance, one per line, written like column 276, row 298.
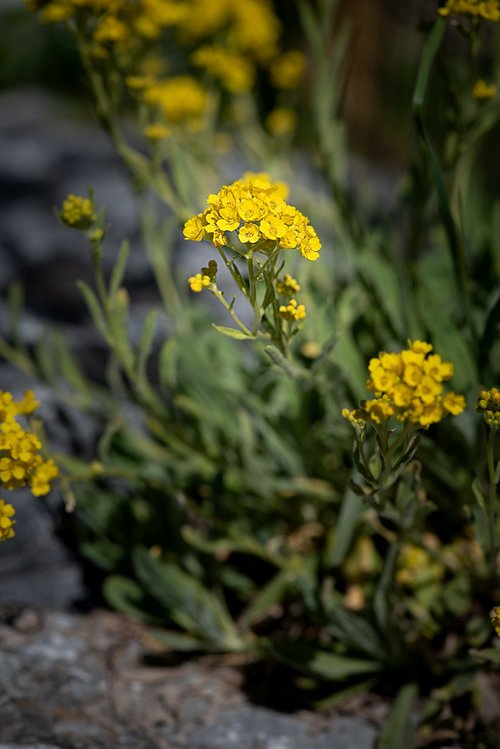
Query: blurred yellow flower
column 281, row 121
column 484, row 91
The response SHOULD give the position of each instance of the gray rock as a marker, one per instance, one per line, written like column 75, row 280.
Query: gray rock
column 79, row 683
column 250, row 727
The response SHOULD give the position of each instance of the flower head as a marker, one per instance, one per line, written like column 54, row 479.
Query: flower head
column 20, row 461
column 292, row 311
column 488, row 404
column 77, row 212
column 257, row 209
column 409, row 385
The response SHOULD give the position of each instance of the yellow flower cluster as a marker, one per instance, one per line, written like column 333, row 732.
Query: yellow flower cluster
column 199, row 282
column 488, row 9
column 416, row 565
column 488, row 404
column 287, row 286
column 20, row 461
column 6, row 522
column 287, row 70
column 204, row 278
column 77, row 212
column 181, row 100
column 247, row 33
column 257, row 209
column 409, row 386
column 234, row 71
column 281, row 121
column 495, row 619
column 292, row 311
column 484, row 91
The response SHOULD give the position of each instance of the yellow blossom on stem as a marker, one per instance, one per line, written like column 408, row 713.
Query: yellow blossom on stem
column 20, row 461
column 199, row 282
column 292, row 311
column 488, row 405
column 409, row 386
column 6, row 523
column 77, row 212
column 156, row 131
column 281, row 121
column 287, row 70
column 256, row 208
column 288, row 286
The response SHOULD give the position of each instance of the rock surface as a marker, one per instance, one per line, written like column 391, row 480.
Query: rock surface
column 75, row 682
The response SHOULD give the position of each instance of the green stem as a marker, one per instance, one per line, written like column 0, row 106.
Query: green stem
column 218, row 295
column 492, row 496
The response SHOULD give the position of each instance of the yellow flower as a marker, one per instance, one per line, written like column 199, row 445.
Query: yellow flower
column 495, row 619
column 281, row 121
column 379, row 409
column 199, row 282
column 56, row 13
column 356, row 417
column 412, row 374
column 382, row 379
column 20, row 461
column 235, row 72
column 249, row 233
column 77, row 212
column 6, row 522
column 273, row 227
column 287, row 70
column 181, row 99
column 454, row 403
column 484, row 91
column 488, row 404
column 111, row 29
column 288, row 286
column 193, row 229
column 292, row 311
column 156, row 131
column 427, row 389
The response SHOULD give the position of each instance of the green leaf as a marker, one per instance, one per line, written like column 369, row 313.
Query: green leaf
column 95, row 310
column 381, row 603
column 168, row 363
column 69, row 366
column 487, row 654
column 189, row 604
column 478, row 492
column 350, row 514
column 119, row 269
column 124, row 595
column 178, row 641
column 353, row 630
column 146, row 342
column 384, row 279
column 270, row 595
column 399, row 732
column 309, row 658
column 233, row 333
